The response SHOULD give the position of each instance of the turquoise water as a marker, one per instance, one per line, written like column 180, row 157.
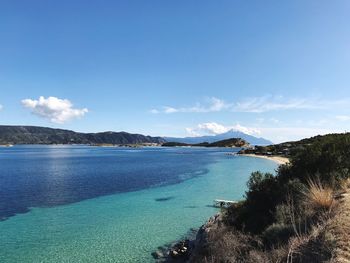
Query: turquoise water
column 125, row 227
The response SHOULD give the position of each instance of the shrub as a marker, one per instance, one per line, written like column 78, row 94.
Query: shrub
column 226, row 245
column 318, row 197
column 262, row 197
column 328, row 158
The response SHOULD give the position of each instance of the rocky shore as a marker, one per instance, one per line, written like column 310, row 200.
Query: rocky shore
column 185, row 250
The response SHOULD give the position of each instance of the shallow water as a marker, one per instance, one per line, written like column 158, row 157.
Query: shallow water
column 168, row 192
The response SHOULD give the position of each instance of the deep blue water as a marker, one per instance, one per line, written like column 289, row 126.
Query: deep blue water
column 100, row 205
column 46, row 176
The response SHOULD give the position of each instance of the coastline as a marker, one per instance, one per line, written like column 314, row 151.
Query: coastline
column 181, row 206
column 185, row 249
column 193, row 246
column 278, row 159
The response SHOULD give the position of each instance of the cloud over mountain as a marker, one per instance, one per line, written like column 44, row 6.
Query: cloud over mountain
column 213, row 128
column 54, row 109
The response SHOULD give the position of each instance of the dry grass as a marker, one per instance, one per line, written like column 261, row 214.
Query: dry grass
column 318, row 197
column 227, row 245
column 315, row 246
column 340, row 229
column 344, row 186
column 311, row 229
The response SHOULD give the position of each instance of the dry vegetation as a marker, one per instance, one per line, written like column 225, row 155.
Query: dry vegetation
column 318, row 197
column 300, row 215
column 302, row 234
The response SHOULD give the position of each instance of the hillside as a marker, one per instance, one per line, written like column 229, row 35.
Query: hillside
column 227, row 135
column 288, row 149
column 43, row 135
column 301, row 214
column 232, row 142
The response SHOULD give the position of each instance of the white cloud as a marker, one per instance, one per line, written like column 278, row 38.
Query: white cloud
column 55, row 109
column 274, row 103
column 192, row 132
column 211, row 105
column 1, row 107
column 247, row 130
column 278, row 103
column 154, row 111
column 170, row 110
column 343, row 118
column 213, row 128
column 259, row 105
column 274, row 120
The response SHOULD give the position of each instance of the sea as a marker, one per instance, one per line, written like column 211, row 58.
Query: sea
column 111, row 204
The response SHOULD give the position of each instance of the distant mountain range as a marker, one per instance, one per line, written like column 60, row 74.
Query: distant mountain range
column 227, row 135
column 43, row 135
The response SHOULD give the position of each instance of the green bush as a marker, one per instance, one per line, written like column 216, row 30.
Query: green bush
column 328, row 158
column 257, row 212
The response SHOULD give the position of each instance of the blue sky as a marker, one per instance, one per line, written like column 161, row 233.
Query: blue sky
column 277, row 69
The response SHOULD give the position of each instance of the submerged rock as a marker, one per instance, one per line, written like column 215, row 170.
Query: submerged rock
column 157, row 254
column 177, row 252
column 180, row 252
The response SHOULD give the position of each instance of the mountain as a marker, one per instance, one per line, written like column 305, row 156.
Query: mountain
column 43, row 135
column 233, row 142
column 227, row 135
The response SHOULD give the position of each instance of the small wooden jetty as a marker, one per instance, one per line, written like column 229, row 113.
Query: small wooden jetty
column 224, row 203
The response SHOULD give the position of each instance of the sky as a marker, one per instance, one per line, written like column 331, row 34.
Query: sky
column 274, row 69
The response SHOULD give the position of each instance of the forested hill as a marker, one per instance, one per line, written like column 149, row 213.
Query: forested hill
column 294, row 147
column 233, row 142
column 43, row 135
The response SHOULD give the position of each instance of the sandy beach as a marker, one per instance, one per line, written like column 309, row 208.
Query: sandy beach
column 277, row 159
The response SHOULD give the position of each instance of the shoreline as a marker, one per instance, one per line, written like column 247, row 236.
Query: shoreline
column 166, row 254
column 278, row 159
column 213, row 223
